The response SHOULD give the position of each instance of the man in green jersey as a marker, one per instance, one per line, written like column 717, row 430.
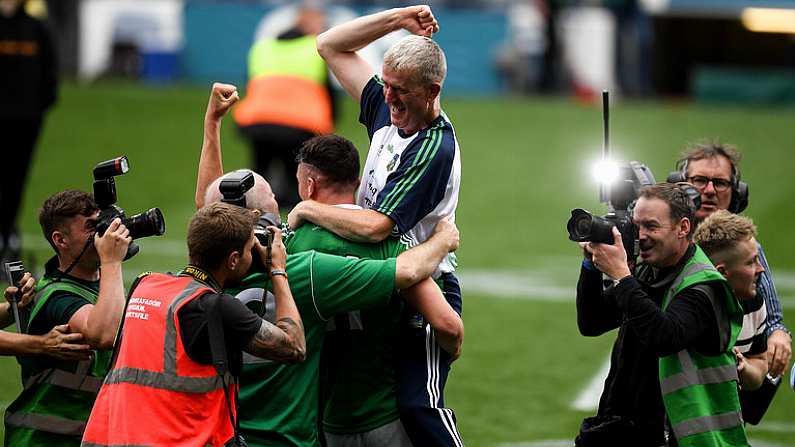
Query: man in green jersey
column 82, row 287
column 279, row 403
column 360, row 383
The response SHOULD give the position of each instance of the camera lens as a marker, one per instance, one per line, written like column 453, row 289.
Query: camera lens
column 585, row 227
column 149, row 223
column 582, row 224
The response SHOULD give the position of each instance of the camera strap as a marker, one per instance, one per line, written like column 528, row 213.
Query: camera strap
column 215, row 331
column 59, row 275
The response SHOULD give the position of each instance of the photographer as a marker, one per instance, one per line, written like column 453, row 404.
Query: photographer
column 713, row 168
column 676, row 317
column 173, row 381
column 58, row 343
column 82, row 287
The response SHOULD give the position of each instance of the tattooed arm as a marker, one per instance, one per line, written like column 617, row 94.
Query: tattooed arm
column 283, row 342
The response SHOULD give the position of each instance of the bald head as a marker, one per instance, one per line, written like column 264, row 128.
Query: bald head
column 259, row 197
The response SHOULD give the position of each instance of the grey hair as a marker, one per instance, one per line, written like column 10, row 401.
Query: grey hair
column 259, row 197
column 419, row 57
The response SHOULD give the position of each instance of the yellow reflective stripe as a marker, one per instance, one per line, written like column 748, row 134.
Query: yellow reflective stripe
column 707, row 423
column 46, row 422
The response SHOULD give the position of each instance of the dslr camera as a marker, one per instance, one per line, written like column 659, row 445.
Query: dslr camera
column 620, row 197
column 234, row 188
column 148, row 223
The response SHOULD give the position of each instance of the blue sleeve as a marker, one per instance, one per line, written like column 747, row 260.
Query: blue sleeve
column 374, row 113
column 419, row 183
column 767, row 290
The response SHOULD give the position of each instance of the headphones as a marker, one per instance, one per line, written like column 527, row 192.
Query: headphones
column 739, row 200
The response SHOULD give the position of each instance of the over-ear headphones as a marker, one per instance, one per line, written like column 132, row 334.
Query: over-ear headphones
column 692, row 193
column 739, row 199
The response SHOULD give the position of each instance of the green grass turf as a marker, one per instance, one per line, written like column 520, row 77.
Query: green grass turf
column 525, row 165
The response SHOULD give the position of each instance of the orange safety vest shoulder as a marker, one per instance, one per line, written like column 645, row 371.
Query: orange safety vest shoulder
column 155, row 395
column 286, row 87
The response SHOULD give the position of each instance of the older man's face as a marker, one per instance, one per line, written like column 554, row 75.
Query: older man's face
column 712, row 177
column 409, row 103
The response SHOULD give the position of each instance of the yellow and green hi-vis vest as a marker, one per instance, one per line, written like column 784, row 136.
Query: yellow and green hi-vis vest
column 700, row 391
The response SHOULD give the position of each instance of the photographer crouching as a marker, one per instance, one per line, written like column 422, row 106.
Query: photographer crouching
column 672, row 378
column 82, row 287
column 174, row 379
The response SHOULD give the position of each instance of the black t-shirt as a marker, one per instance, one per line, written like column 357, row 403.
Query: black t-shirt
column 239, row 323
column 62, row 305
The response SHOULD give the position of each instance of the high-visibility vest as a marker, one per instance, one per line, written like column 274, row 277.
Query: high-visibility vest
column 286, row 86
column 154, row 394
column 699, row 391
column 54, row 405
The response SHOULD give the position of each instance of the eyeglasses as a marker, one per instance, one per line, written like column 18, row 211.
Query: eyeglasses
column 701, row 182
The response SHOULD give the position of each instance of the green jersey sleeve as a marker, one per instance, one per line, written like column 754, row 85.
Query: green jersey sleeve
column 338, row 284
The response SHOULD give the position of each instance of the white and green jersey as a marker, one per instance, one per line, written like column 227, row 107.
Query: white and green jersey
column 413, row 179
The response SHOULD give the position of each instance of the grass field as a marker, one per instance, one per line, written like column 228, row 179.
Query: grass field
column 525, row 165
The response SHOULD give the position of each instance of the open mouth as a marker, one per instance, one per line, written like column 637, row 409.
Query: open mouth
column 396, row 109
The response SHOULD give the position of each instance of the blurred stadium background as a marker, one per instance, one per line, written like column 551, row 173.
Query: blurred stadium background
column 137, row 75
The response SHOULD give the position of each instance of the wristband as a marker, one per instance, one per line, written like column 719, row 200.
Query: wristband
column 278, row 273
column 587, row 264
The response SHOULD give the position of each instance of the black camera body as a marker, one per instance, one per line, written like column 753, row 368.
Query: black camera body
column 620, row 197
column 234, row 188
column 148, row 223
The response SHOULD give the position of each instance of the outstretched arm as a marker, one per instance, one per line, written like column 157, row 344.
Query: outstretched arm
column 418, row 263
column 338, row 45
column 362, row 225
column 222, row 97
column 427, row 298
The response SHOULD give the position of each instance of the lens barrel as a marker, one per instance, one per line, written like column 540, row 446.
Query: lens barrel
column 585, row 227
column 149, row 223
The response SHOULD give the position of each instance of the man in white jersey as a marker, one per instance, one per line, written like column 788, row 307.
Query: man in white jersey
column 729, row 240
column 411, row 180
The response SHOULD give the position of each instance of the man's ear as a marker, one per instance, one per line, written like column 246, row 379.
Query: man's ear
column 683, row 229
column 721, row 268
column 232, row 260
column 311, row 187
column 434, row 90
column 59, row 240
